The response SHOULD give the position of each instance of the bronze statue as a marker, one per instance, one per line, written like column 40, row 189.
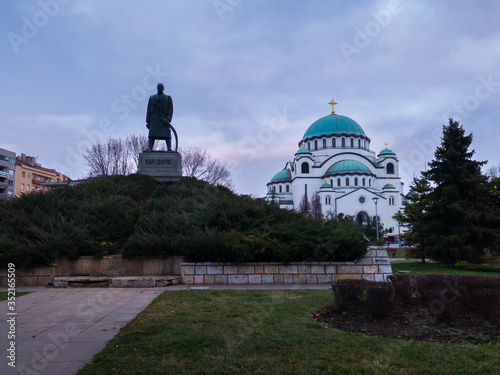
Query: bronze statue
column 158, row 118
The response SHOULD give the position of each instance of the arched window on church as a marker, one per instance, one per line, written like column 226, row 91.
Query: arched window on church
column 334, row 143
column 356, row 181
column 287, row 188
column 331, row 182
column 364, row 182
column 338, row 182
column 347, row 182
column 390, row 168
column 281, row 189
column 308, row 145
column 328, row 200
column 343, row 142
column 392, row 201
column 305, row 167
column 370, row 182
column 316, row 144
column 352, row 142
column 324, row 143
column 359, row 143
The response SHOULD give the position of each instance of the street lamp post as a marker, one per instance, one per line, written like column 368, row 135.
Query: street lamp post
column 375, row 199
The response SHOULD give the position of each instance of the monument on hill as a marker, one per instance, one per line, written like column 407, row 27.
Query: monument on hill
column 162, row 165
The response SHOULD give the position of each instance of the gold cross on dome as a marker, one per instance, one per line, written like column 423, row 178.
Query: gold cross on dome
column 332, row 103
column 386, row 145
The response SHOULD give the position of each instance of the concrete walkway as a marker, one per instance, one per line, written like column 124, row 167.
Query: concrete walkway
column 58, row 331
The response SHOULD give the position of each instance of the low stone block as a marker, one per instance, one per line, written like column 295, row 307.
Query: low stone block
column 200, row 270
column 365, row 262
column 187, row 279
column 370, row 269
column 385, row 269
column 311, row 279
column 176, row 265
column 254, row 279
column 209, row 279
column 324, row 279
column 270, row 269
column 237, row 279
column 220, row 279
column 350, row 269
column 318, row 269
column 299, row 279
column 278, row 279
column 331, row 269
column 198, row 279
column 267, row 279
column 371, row 253
column 381, row 253
column 381, row 261
column 44, row 271
column 245, row 270
column 28, row 281
column 188, row 270
column 288, row 269
column 380, row 277
column 351, row 276
column 215, row 270
column 304, row 269
column 230, row 270
column 259, row 270
column 369, row 277
column 60, row 284
column 288, row 279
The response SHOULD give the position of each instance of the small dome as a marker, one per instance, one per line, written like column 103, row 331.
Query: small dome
column 303, row 151
column 326, row 186
column 333, row 125
column 389, row 187
column 348, row 166
column 283, row 176
column 386, row 152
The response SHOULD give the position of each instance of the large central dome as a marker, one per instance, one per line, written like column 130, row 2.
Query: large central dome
column 333, row 125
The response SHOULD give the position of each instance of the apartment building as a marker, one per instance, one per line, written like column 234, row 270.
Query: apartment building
column 7, row 173
column 30, row 175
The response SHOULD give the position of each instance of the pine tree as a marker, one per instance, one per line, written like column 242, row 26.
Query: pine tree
column 413, row 216
column 458, row 212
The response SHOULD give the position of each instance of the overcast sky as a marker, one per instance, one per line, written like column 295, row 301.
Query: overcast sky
column 248, row 77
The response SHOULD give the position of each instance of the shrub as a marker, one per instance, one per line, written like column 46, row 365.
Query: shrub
column 379, row 299
column 405, row 288
column 348, row 293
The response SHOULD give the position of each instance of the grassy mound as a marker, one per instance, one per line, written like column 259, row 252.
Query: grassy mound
column 145, row 218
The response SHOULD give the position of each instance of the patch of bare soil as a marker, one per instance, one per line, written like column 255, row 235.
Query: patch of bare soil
column 415, row 322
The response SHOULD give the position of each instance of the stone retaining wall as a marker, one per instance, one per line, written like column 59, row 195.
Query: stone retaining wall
column 112, row 265
column 374, row 266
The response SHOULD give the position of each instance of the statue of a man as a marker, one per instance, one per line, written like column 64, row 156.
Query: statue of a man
column 158, row 117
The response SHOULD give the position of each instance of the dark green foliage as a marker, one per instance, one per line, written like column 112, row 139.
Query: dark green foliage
column 144, row 218
column 210, row 223
column 404, row 288
column 88, row 219
column 459, row 214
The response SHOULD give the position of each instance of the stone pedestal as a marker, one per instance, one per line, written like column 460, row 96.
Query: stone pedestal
column 162, row 165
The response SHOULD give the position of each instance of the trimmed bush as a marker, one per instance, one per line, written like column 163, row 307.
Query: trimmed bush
column 379, row 299
column 348, row 293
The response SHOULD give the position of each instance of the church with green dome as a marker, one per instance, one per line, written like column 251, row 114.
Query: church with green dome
column 335, row 166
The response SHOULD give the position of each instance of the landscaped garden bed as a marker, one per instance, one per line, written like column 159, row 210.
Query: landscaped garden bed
column 436, row 308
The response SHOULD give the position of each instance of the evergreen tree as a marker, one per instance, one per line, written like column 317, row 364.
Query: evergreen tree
column 414, row 214
column 458, row 213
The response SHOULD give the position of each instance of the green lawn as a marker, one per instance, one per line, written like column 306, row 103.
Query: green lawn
column 418, row 268
column 269, row 332
column 4, row 295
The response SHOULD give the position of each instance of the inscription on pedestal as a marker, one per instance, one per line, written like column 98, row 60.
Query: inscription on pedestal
column 162, row 165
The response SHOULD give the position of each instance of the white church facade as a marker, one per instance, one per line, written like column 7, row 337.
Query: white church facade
column 334, row 160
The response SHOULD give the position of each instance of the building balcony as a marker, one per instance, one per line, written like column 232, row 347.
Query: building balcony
column 4, row 174
column 3, row 185
column 36, row 182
